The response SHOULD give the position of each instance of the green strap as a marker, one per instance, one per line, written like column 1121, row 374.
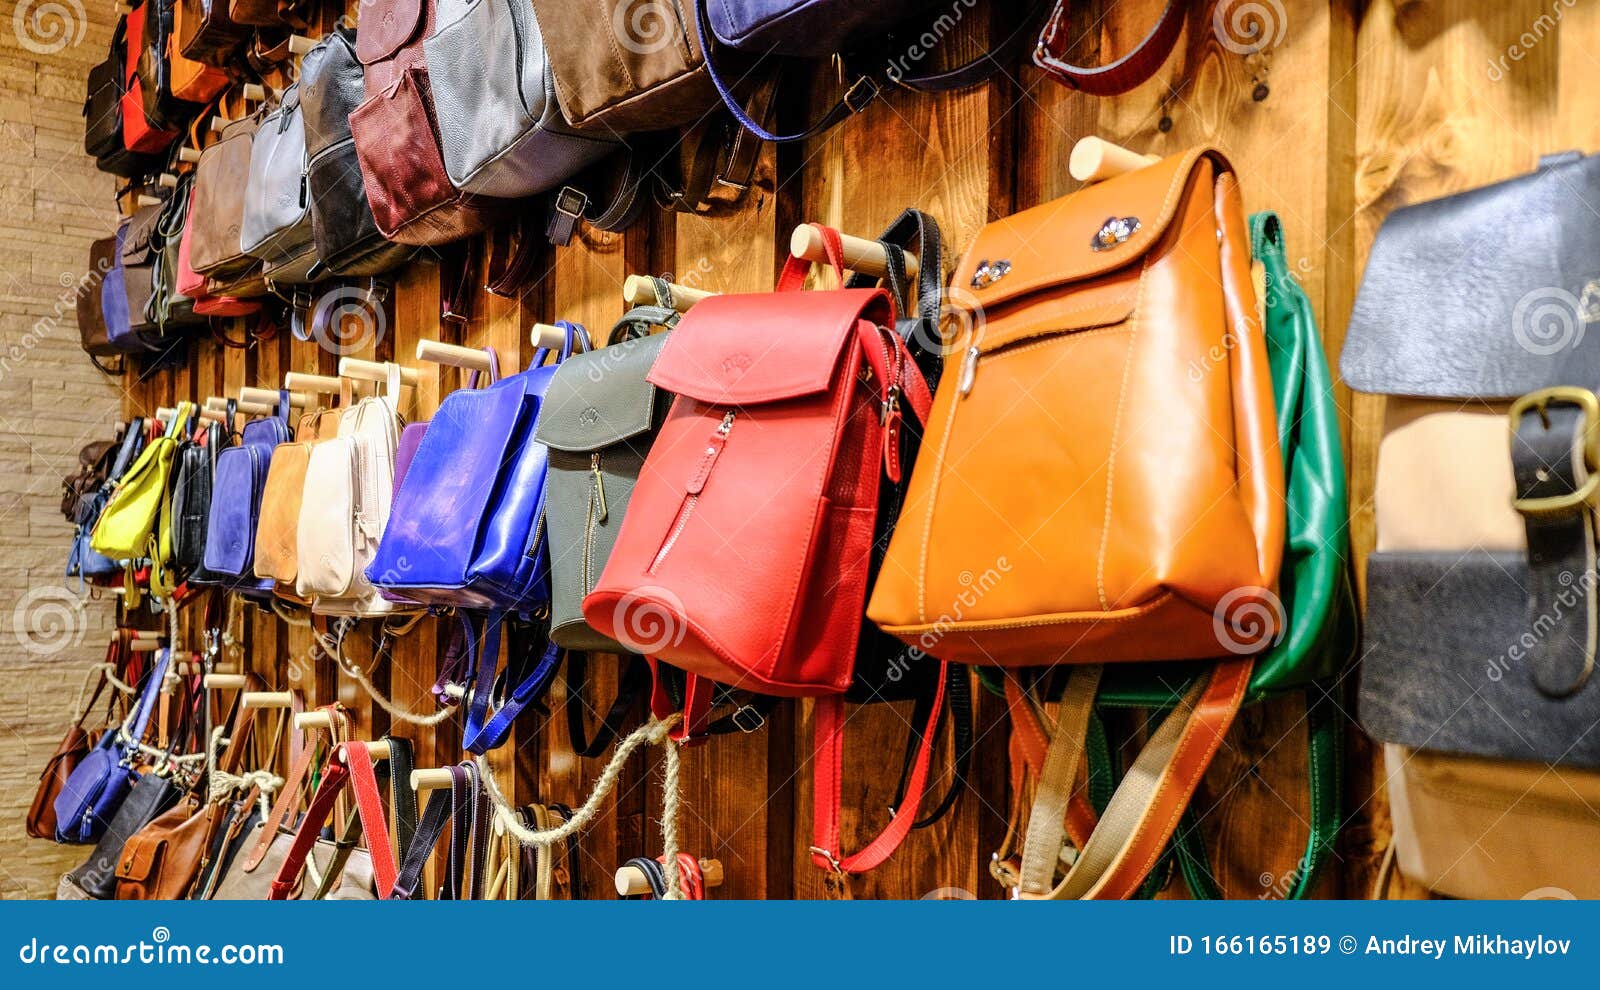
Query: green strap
column 1325, row 739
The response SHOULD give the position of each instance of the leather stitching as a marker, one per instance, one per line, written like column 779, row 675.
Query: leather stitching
column 1116, row 433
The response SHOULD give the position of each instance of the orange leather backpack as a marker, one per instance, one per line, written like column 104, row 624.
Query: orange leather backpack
column 1101, row 481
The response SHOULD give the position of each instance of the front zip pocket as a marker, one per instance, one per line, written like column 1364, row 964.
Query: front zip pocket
column 697, row 483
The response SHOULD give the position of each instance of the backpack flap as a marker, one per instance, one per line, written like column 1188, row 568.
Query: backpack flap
column 1484, row 294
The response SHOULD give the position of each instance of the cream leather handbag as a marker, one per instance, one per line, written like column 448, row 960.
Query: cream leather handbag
column 349, row 486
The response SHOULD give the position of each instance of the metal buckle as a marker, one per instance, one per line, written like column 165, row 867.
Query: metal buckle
column 854, row 101
column 570, row 202
column 1539, row 402
column 742, row 716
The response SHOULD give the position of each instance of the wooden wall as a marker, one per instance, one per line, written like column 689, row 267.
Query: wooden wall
column 1332, row 112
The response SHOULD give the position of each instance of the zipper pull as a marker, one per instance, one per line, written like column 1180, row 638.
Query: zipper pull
column 719, row 440
column 969, row 370
column 599, row 487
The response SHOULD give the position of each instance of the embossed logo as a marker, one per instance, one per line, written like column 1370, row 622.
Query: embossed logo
column 736, row 362
column 589, row 416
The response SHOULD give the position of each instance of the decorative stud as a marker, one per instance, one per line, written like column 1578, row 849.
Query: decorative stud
column 1113, row 232
column 988, row 273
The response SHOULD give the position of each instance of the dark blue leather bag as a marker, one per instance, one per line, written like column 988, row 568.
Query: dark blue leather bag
column 83, row 561
column 806, row 28
column 97, row 785
column 466, row 527
column 114, row 302
column 241, row 475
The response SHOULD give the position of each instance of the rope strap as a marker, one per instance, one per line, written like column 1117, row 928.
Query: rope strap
column 656, row 732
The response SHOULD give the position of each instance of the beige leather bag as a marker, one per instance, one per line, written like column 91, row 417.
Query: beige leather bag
column 1466, row 826
column 278, row 529
column 352, row 478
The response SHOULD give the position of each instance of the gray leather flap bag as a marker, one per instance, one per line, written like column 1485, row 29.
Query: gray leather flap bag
column 277, row 215
column 500, row 129
column 600, row 417
column 1487, row 293
column 1482, row 622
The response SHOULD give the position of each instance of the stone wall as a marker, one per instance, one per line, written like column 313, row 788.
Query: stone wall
column 52, row 401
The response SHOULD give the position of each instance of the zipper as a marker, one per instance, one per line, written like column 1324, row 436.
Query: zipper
column 969, row 370
column 697, row 484
column 597, row 501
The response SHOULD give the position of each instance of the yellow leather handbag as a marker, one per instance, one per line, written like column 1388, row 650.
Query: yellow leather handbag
column 132, row 519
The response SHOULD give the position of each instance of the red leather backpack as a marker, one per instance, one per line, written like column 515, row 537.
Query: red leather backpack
column 744, row 555
column 139, row 132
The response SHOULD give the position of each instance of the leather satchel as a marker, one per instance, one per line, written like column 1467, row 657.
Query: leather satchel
column 203, row 31
column 348, row 241
column 159, row 861
column 619, row 67
column 121, row 323
column 197, row 80
column 236, row 492
column 192, row 284
column 134, row 520
column 397, row 140
column 163, row 107
column 142, row 132
column 501, row 132
column 139, row 258
column 276, row 222
column 1126, row 565
column 93, row 333
column 820, row 403
column 465, row 528
column 278, row 525
column 1099, row 594
column 102, row 112
column 191, row 500
column 599, row 420
column 352, row 476
column 1481, row 592
column 83, row 561
column 150, row 796
column 74, row 746
column 170, row 309
column 216, row 217
column 100, row 782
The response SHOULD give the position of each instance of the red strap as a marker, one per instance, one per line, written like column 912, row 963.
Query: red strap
column 795, row 269
column 333, row 777
column 351, row 762
column 369, row 805
column 697, row 696
column 829, row 761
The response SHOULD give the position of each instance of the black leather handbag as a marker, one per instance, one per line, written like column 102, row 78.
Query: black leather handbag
column 161, row 107
column 139, row 263
column 347, row 237
column 196, row 463
column 96, row 877
column 102, row 114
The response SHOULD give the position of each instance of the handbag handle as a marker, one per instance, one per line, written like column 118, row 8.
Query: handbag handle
column 795, row 269
column 1120, row 75
column 350, row 763
column 573, row 333
column 493, row 373
column 857, row 95
column 140, row 716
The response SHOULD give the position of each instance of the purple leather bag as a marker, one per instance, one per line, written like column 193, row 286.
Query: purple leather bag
column 100, row 781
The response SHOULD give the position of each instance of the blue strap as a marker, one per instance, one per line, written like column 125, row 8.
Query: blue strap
column 147, row 697
column 483, row 731
column 853, row 102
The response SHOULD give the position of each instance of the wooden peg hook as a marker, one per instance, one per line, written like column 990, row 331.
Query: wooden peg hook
column 631, row 881
column 320, row 384
column 860, row 255
column 145, row 645
column 220, row 404
column 299, row 44
column 269, row 396
column 637, row 290
column 431, row 780
column 225, row 682
column 454, row 355
column 188, row 155
column 1096, row 159
column 377, row 750
column 266, row 699
column 373, row 371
